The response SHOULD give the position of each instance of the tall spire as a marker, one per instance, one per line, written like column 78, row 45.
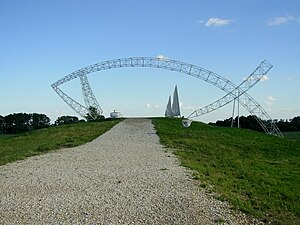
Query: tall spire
column 168, row 112
column 173, row 109
column 175, row 105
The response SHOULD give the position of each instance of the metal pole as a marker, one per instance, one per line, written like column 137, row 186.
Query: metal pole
column 238, row 114
column 232, row 113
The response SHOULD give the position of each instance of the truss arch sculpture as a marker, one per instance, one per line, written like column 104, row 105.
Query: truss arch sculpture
column 233, row 91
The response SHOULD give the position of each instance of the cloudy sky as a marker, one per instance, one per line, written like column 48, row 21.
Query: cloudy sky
column 43, row 40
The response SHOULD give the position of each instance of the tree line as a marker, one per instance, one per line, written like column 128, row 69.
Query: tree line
column 22, row 122
column 251, row 123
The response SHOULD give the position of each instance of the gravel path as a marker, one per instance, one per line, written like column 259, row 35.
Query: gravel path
column 123, row 177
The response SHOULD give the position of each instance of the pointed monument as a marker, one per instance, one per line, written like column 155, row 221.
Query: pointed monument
column 175, row 105
column 173, row 110
column 168, row 112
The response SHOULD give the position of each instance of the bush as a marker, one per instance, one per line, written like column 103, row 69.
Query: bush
column 66, row 120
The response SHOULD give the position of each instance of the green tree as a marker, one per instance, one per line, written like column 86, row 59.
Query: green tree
column 39, row 121
column 2, row 124
column 22, row 122
column 66, row 120
column 17, row 123
column 296, row 122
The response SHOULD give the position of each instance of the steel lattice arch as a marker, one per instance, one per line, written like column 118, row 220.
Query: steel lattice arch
column 232, row 90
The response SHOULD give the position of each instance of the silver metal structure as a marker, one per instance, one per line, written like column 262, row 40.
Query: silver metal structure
column 249, row 82
column 239, row 93
column 172, row 65
column 88, row 95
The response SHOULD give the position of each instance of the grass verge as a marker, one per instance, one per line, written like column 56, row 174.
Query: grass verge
column 292, row 135
column 257, row 173
column 20, row 146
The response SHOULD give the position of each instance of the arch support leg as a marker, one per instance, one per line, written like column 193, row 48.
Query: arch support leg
column 88, row 95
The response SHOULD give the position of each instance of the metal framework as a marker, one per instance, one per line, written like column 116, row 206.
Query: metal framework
column 88, row 95
column 233, row 91
column 247, row 102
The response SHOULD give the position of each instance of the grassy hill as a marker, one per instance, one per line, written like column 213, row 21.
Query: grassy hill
column 257, row 173
column 20, row 146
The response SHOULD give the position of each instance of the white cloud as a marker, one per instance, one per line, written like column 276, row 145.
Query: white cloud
column 264, row 78
column 190, row 107
column 161, row 57
column 289, row 78
column 151, row 106
column 276, row 21
column 217, row 22
column 269, row 100
column 148, row 105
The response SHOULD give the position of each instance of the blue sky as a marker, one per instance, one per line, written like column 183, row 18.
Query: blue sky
column 43, row 40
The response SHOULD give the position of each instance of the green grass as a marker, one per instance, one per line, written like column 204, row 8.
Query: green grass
column 292, row 135
column 20, row 146
column 257, row 173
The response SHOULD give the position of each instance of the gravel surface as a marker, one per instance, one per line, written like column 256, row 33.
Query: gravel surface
column 123, row 177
